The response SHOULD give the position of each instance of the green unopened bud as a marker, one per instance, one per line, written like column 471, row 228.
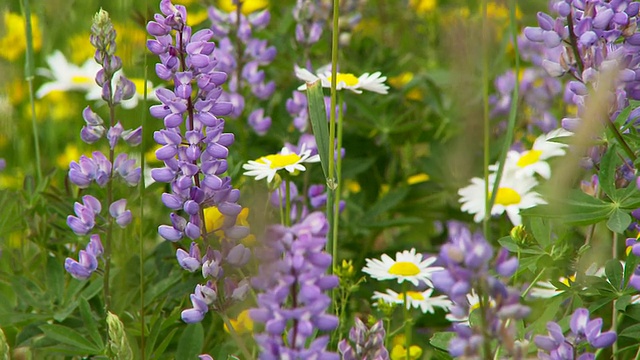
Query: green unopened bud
column 103, row 35
column 119, row 347
column 4, row 347
column 519, row 235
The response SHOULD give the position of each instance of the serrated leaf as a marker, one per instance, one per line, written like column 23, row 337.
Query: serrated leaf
column 619, row 221
column 190, row 343
column 440, row 340
column 69, row 336
column 319, row 124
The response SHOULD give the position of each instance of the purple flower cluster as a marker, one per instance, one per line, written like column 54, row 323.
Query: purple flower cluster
column 196, row 157
column 293, row 280
column 311, row 17
column 194, row 151
column 583, row 331
column 466, row 258
column 368, row 343
column 241, row 55
column 99, row 168
column 588, row 38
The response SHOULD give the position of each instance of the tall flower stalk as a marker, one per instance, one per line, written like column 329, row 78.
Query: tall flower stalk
column 100, row 168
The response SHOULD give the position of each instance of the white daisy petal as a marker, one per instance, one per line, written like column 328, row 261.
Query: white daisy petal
column 407, row 266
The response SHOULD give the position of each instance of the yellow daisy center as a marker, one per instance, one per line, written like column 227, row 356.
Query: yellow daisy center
column 530, row 157
column 347, row 79
column 414, row 295
column 80, row 79
column 404, row 268
column 507, row 196
column 279, row 161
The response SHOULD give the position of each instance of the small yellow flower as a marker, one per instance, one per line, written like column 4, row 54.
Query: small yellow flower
column 353, row 186
column 197, row 17
column 399, row 352
column 248, row 6
column 81, row 48
column 423, row 6
column 242, row 325
column 417, row 178
column 14, row 41
column 71, row 153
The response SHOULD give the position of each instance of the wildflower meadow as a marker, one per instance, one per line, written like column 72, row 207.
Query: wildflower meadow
column 320, row 179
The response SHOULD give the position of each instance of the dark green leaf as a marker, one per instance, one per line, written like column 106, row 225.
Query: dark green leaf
column 619, row 221
column 541, row 231
column 607, row 173
column 68, row 336
column 318, row 118
column 90, row 323
column 508, row 243
column 578, row 209
column 632, row 331
column 190, row 343
column 613, row 271
column 55, row 279
column 623, row 302
column 440, row 340
column 387, row 202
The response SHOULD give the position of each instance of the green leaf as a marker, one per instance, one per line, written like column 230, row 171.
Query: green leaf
column 55, row 278
column 386, row 203
column 623, row 302
column 508, row 243
column 619, row 221
column 190, row 343
column 613, row 271
column 541, row 231
column 90, row 322
column 319, row 124
column 440, row 340
column 578, row 209
column 69, row 336
column 607, row 173
column 632, row 331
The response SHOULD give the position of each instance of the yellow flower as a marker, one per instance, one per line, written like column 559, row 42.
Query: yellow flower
column 417, row 178
column 399, row 352
column 14, row 41
column 213, row 220
column 423, row 6
column 242, row 325
column 81, row 48
column 71, row 153
column 248, row 6
column 58, row 105
column 353, row 186
column 197, row 17
column 132, row 42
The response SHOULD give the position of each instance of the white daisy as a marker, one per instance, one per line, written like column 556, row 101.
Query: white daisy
column 546, row 289
column 417, row 299
column 407, row 266
column 474, row 303
column 68, row 76
column 371, row 82
column 268, row 166
column 513, row 195
column 533, row 161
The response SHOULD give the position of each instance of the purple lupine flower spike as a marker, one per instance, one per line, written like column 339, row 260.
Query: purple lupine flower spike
column 366, row 343
column 294, row 272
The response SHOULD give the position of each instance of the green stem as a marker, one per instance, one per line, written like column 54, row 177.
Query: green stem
column 533, row 283
column 109, row 240
column 236, row 337
column 408, row 322
column 141, row 211
column 485, row 118
column 287, row 217
column 28, row 74
column 336, row 200
column 513, row 110
column 621, row 141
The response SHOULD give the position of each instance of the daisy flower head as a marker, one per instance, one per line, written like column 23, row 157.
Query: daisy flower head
column 370, row 82
column 269, row 165
column 514, row 194
column 407, row 266
column 533, row 161
column 67, row 76
column 416, row 299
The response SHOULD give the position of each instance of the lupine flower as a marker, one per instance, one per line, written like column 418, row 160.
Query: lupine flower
column 370, row 82
column 407, row 266
column 466, row 258
column 88, row 260
column 84, row 221
column 293, row 274
column 364, row 342
column 194, row 159
column 3, row 164
column 513, row 195
column 268, row 166
column 583, row 331
column 241, row 55
column 417, row 299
